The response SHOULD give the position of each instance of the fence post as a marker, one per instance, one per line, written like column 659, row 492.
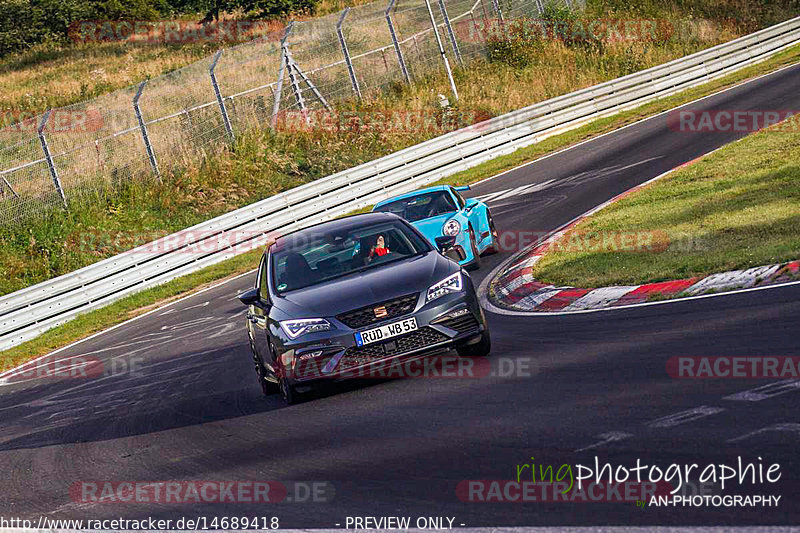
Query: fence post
column 441, row 50
column 294, row 67
column 397, row 50
column 49, row 158
column 276, row 104
column 10, row 188
column 143, row 127
column 450, row 33
column 220, row 100
column 496, row 5
column 346, row 53
column 298, row 93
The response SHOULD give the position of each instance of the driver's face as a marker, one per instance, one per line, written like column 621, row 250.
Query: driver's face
column 380, row 241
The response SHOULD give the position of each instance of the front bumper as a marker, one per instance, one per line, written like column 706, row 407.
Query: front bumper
column 445, row 323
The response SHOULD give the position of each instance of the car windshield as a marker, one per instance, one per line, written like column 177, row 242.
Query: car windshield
column 420, row 207
column 309, row 259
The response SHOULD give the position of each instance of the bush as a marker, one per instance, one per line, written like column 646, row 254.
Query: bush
column 25, row 23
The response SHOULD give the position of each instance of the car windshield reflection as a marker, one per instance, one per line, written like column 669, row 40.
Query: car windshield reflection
column 304, row 261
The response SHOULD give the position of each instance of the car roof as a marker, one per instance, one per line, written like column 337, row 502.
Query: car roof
column 338, row 224
column 413, row 193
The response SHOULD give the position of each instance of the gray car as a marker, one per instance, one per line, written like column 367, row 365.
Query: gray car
column 335, row 300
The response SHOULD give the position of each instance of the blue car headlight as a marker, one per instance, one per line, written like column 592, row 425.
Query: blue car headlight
column 448, row 285
column 295, row 328
column 451, row 228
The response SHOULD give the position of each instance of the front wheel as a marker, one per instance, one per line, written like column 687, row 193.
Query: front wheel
column 475, row 264
column 482, row 348
column 288, row 392
column 493, row 248
column 268, row 388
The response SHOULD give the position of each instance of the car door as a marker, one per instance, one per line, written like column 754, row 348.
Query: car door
column 259, row 314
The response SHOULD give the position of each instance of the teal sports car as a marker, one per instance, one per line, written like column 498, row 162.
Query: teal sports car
column 463, row 228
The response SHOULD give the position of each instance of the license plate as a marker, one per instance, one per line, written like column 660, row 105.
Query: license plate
column 386, row 332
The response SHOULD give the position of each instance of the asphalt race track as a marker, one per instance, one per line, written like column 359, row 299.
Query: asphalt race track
column 183, row 402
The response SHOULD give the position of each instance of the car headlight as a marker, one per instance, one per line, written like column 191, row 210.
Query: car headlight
column 295, row 328
column 448, row 285
column 451, row 228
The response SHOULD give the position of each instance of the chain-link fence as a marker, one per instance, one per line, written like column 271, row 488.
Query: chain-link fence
column 64, row 155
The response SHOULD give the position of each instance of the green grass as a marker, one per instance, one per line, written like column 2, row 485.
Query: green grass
column 141, row 302
column 736, row 208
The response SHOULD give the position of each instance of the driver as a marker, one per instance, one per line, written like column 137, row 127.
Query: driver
column 379, row 249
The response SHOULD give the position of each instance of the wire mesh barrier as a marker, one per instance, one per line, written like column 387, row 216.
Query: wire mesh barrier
column 29, row 312
column 61, row 157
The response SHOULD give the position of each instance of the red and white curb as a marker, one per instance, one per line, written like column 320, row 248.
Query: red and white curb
column 515, row 289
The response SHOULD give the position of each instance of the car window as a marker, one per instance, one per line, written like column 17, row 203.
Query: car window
column 300, row 263
column 422, row 206
column 263, row 288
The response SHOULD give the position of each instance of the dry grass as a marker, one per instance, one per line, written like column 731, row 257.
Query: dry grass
column 48, row 76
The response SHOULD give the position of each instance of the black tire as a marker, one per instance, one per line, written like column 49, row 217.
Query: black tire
column 493, row 248
column 288, row 392
column 476, row 258
column 481, row 348
column 268, row 388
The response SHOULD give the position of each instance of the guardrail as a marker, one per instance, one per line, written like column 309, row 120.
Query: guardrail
column 27, row 313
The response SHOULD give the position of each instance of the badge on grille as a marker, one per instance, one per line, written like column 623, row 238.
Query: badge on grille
column 380, row 312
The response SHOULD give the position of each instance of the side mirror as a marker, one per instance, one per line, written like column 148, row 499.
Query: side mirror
column 447, row 247
column 445, row 242
column 462, row 188
column 470, row 204
column 251, row 297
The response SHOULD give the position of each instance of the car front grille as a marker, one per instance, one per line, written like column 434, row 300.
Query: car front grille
column 422, row 338
column 365, row 316
column 461, row 324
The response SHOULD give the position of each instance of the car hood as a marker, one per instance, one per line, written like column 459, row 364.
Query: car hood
column 432, row 227
column 365, row 288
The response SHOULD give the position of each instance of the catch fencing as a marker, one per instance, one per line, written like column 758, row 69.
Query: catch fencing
column 66, row 155
column 27, row 313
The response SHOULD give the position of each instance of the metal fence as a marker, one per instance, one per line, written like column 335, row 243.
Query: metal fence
column 62, row 156
column 29, row 312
